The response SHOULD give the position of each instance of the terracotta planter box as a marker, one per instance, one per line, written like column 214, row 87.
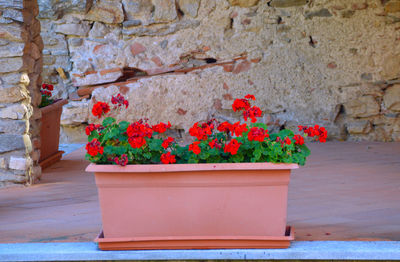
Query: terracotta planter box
column 50, row 133
column 193, row 206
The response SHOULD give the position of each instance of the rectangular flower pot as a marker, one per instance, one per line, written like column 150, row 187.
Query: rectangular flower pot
column 193, row 205
column 50, row 133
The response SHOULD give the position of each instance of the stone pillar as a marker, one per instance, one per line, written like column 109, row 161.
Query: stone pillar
column 21, row 64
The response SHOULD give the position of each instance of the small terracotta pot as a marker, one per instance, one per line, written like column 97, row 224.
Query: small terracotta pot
column 193, row 205
column 50, row 133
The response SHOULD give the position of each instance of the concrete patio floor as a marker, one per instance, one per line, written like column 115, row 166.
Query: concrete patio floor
column 347, row 191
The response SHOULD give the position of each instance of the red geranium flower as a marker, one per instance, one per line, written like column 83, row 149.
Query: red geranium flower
column 238, row 129
column 165, row 144
column 252, row 113
column 225, row 127
column 161, row 127
column 167, row 158
column 100, row 108
column 94, row 147
column 122, row 161
column 48, row 87
column 232, row 147
column 257, row 134
column 136, row 133
column 119, row 100
column 248, row 97
column 240, row 104
column 195, row 147
column 201, row 132
column 214, row 144
column 299, row 140
column 287, row 141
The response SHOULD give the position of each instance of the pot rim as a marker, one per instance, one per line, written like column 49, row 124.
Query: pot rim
column 55, row 105
column 187, row 167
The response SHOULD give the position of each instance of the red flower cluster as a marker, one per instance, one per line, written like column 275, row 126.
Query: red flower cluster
column 137, row 132
column 235, row 129
column 225, row 127
column 195, row 147
column 319, row 132
column 168, row 158
column 252, row 113
column 232, row 147
column 299, row 140
column 238, row 129
column 119, row 100
column 165, row 144
column 48, row 87
column 257, row 134
column 248, row 111
column 161, row 127
column 286, row 141
column 91, row 127
column 240, row 104
column 201, row 132
column 45, row 92
column 122, row 161
column 100, row 108
column 93, row 148
column 214, row 144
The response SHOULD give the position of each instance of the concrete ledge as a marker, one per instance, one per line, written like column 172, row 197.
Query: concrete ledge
column 300, row 250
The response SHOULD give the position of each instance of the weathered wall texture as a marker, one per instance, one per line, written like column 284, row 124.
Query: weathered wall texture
column 21, row 62
column 330, row 62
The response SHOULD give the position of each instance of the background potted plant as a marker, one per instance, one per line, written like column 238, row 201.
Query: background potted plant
column 51, row 110
column 227, row 189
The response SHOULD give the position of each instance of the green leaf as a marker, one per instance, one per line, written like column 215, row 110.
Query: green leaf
column 155, row 144
column 108, row 121
column 123, row 125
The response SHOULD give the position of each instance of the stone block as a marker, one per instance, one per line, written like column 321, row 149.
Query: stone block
column 12, row 94
column 75, row 113
column 55, row 8
column 319, row 13
column 10, row 64
column 14, row 111
column 7, row 176
column 106, row 11
column 391, row 98
column 13, row 14
column 287, row 3
column 11, row 142
column 98, row 30
column 11, row 32
column 104, row 76
column 359, row 127
column 3, row 163
column 164, row 10
column 19, row 127
column 139, row 10
column 81, row 29
column 16, row 4
column 393, row 6
column 189, row 7
column 75, row 42
column 244, row 3
column 364, row 106
column 19, row 163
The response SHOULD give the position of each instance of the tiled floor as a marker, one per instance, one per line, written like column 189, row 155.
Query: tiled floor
column 347, row 191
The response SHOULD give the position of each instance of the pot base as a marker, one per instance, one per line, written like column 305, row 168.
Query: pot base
column 193, row 242
column 51, row 159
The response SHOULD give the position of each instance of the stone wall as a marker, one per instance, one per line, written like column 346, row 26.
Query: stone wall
column 330, row 62
column 21, row 62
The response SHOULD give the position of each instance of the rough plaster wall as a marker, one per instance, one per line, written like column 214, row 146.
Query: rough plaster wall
column 330, row 62
column 20, row 56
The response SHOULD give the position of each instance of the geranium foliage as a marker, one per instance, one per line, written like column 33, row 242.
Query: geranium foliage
column 214, row 142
